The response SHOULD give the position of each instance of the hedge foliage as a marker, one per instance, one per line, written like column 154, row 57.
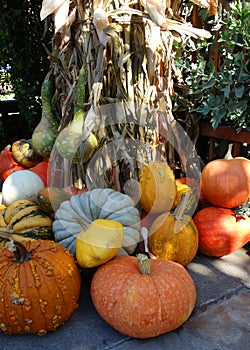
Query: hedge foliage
column 21, row 47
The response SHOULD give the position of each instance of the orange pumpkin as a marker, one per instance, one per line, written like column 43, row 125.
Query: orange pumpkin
column 221, row 231
column 142, row 297
column 40, row 287
column 174, row 236
column 41, row 169
column 226, row 182
column 8, row 165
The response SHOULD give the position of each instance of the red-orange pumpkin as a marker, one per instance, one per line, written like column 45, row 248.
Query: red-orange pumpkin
column 41, row 169
column 139, row 304
column 39, row 289
column 226, row 182
column 8, row 164
column 221, row 232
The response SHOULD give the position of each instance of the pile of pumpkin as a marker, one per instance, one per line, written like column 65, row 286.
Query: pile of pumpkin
column 20, row 155
column 50, row 235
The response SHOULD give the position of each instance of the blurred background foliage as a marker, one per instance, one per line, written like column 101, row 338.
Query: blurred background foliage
column 23, row 59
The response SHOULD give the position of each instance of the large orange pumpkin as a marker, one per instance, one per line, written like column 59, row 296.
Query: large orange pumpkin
column 221, row 231
column 39, row 287
column 226, row 182
column 144, row 298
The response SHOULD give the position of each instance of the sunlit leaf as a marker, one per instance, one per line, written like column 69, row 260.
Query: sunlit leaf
column 49, row 7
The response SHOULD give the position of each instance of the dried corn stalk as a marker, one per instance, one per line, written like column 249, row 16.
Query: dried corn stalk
column 126, row 48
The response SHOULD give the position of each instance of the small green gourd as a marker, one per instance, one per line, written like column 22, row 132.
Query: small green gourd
column 44, row 135
column 69, row 142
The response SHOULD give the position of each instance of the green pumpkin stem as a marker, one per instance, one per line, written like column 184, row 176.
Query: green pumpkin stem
column 144, row 265
column 181, row 207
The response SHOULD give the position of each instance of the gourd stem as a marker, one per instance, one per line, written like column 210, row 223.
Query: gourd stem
column 180, row 209
column 144, row 265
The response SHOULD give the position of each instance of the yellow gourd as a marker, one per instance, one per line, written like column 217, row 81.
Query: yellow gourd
column 157, row 187
column 99, row 243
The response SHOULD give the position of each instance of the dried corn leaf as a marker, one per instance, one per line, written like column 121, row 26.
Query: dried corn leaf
column 61, row 16
column 49, row 7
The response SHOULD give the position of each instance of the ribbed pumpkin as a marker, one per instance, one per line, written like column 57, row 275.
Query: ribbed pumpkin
column 174, row 236
column 24, row 153
column 221, row 231
column 226, row 182
column 157, row 187
column 82, row 209
column 23, row 217
column 39, row 287
column 142, row 297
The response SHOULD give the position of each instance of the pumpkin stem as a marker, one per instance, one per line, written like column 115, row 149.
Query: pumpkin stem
column 144, row 265
column 181, row 207
column 20, row 252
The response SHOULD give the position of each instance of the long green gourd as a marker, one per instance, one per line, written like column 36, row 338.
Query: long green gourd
column 69, row 142
column 44, row 135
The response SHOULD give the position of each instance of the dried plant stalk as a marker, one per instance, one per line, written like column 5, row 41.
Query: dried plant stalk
column 128, row 65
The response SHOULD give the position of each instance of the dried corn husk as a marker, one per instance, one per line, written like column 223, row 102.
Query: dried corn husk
column 127, row 50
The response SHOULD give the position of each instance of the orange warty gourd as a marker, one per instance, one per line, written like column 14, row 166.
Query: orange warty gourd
column 39, row 287
column 221, row 231
column 174, row 236
column 157, row 187
column 143, row 297
column 226, row 182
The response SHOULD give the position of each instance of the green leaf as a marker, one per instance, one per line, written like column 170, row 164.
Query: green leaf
column 239, row 91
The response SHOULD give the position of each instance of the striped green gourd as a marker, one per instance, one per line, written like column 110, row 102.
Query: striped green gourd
column 44, row 135
column 69, row 142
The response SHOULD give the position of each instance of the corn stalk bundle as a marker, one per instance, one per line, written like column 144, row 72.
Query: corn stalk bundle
column 126, row 50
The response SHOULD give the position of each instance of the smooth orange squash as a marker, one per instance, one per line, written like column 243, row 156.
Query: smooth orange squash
column 221, row 231
column 142, row 297
column 226, row 182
